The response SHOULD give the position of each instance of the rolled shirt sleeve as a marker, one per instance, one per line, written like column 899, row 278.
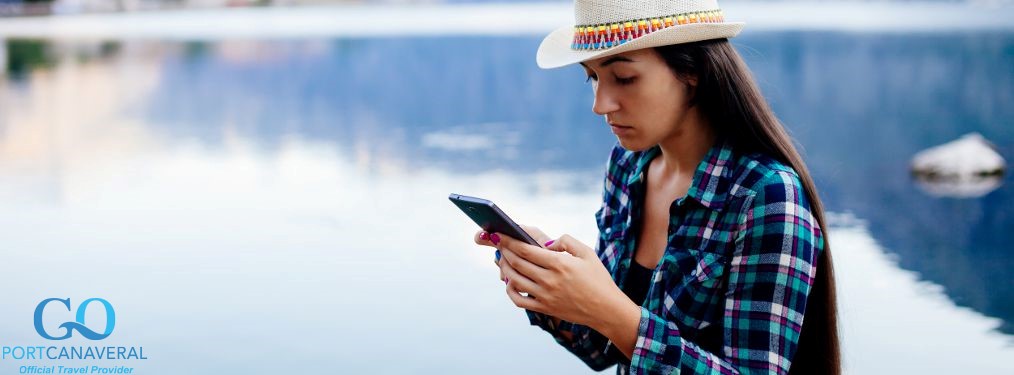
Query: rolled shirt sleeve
column 587, row 344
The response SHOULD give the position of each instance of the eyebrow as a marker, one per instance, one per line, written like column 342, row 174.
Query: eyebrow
column 611, row 60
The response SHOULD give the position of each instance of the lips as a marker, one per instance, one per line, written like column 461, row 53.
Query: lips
column 621, row 129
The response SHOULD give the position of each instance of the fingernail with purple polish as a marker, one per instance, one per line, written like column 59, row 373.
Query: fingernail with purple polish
column 495, row 238
column 550, row 242
column 484, row 236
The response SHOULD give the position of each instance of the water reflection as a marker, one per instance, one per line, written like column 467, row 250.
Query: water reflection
column 968, row 188
column 915, row 91
column 304, row 184
column 863, row 105
column 894, row 323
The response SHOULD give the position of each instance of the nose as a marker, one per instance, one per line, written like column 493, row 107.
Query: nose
column 605, row 102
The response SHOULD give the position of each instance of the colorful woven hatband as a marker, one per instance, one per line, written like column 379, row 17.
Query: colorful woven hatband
column 606, row 28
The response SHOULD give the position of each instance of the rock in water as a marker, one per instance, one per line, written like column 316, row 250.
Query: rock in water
column 966, row 167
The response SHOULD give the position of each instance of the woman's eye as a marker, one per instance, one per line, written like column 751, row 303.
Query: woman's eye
column 624, row 81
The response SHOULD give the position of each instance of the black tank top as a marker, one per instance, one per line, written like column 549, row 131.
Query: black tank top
column 638, row 281
column 636, row 288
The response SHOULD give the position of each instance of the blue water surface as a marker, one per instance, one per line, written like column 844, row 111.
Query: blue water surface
column 277, row 206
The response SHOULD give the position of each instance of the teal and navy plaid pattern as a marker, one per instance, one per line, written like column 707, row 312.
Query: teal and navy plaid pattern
column 729, row 294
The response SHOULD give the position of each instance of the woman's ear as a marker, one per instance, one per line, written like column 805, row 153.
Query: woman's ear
column 691, row 82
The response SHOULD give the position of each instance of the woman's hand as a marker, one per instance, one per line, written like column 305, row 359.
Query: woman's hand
column 482, row 238
column 565, row 280
column 536, row 233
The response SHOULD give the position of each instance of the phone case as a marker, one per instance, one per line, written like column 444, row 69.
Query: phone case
column 490, row 218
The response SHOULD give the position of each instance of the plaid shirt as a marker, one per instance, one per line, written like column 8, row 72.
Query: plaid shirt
column 729, row 294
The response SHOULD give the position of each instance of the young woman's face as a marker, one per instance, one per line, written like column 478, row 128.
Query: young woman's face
column 642, row 100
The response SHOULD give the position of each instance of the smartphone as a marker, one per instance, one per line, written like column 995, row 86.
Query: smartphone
column 490, row 218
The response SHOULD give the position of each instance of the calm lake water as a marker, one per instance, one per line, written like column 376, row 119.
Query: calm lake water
column 280, row 207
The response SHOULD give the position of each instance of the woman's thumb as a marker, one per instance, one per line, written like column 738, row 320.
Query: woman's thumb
column 568, row 244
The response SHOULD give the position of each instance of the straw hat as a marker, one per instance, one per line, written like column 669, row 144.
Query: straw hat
column 608, row 27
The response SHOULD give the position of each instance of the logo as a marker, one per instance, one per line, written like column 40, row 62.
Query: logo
column 79, row 322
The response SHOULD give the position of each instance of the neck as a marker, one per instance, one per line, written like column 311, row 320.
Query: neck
column 683, row 150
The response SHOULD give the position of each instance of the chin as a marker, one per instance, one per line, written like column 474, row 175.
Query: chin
column 634, row 145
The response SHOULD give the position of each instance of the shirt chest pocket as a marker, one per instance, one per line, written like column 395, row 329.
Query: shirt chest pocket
column 695, row 286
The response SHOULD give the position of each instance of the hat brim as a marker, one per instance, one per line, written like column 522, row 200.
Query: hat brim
column 555, row 50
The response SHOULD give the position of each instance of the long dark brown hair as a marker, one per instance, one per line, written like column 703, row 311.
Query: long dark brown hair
column 730, row 101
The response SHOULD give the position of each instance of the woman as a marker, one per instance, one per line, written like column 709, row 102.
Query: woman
column 711, row 246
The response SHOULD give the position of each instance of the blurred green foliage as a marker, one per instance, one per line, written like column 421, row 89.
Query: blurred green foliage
column 23, row 55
